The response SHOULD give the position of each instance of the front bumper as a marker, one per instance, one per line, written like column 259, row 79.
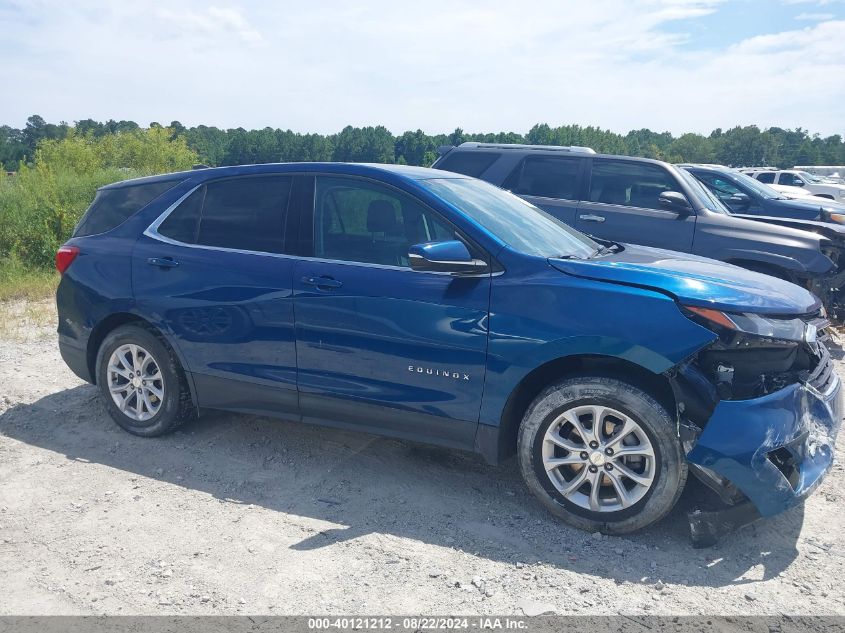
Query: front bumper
column 775, row 449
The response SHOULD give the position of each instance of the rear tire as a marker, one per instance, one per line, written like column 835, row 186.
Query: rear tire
column 635, row 458
column 142, row 383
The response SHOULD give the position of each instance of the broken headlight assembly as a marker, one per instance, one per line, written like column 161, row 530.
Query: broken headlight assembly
column 756, row 354
column 794, row 329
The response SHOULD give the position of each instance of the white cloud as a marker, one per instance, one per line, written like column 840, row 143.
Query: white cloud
column 437, row 65
column 820, row 3
column 212, row 23
column 815, row 17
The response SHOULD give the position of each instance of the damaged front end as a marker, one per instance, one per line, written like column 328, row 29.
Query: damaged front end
column 830, row 287
column 759, row 410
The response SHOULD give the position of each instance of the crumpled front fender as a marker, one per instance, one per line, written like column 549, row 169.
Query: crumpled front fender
column 745, row 441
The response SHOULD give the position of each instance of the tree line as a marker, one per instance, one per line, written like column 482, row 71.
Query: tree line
column 737, row 146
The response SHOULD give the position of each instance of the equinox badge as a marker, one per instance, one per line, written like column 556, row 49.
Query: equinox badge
column 446, row 373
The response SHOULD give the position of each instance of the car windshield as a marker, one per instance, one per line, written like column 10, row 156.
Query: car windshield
column 708, row 197
column 810, row 177
column 756, row 186
column 519, row 224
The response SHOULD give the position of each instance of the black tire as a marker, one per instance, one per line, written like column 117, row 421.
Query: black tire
column 669, row 466
column 174, row 408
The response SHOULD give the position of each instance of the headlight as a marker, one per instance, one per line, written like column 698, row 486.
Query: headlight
column 757, row 325
column 828, row 214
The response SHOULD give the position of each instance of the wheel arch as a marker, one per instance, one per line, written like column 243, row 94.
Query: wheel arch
column 765, row 267
column 503, row 442
column 113, row 321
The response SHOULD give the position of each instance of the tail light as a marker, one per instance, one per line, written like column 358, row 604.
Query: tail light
column 65, row 256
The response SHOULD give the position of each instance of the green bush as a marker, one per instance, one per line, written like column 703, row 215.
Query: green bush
column 40, row 205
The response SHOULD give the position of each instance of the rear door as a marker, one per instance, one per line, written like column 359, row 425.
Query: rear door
column 212, row 272
column 623, row 205
column 552, row 183
column 378, row 344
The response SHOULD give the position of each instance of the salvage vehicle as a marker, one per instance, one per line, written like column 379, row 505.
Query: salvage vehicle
column 435, row 307
column 742, row 194
column 653, row 203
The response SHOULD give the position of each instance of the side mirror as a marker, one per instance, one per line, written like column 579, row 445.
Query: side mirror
column 798, row 183
column 675, row 201
column 445, row 257
column 739, row 202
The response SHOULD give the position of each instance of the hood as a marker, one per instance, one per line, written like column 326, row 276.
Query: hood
column 792, row 192
column 694, row 281
column 812, row 204
column 834, row 232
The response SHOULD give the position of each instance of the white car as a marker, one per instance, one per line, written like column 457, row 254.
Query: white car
column 795, row 178
column 793, row 193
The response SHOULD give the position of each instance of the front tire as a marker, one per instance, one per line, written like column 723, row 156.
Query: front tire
column 602, row 455
column 141, row 382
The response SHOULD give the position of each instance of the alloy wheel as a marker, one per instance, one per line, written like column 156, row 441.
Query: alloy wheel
column 598, row 458
column 135, row 382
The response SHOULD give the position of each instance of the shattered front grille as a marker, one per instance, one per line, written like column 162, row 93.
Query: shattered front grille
column 822, row 377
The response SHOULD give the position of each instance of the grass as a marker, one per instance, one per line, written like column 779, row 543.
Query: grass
column 27, row 306
column 18, row 281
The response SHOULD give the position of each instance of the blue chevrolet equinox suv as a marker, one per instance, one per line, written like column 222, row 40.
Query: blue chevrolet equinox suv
column 436, row 307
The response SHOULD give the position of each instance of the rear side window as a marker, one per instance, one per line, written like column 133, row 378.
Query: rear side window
column 468, row 163
column 112, row 207
column 182, row 223
column 240, row 213
column 630, row 184
column 546, row 177
column 767, row 177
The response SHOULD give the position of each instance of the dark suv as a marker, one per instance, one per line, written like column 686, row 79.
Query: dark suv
column 426, row 305
column 653, row 203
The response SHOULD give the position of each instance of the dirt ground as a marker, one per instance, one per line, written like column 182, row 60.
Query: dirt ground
column 242, row 514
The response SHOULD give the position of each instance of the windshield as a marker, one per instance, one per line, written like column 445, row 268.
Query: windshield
column 712, row 202
column 755, row 185
column 521, row 225
column 810, row 177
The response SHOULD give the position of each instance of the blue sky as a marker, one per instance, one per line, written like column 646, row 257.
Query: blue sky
column 677, row 65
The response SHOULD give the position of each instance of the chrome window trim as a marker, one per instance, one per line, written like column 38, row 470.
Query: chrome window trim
column 152, row 232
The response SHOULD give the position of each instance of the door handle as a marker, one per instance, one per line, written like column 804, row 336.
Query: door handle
column 592, row 218
column 163, row 262
column 323, row 283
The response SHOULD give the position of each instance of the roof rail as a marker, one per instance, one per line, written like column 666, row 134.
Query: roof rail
column 521, row 146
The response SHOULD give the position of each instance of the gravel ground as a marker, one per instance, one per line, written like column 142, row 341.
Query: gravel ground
column 242, row 514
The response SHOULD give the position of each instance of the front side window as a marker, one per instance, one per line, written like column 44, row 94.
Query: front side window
column 238, row 213
column 630, row 184
column 546, row 177
column 790, row 179
column 722, row 187
column 361, row 221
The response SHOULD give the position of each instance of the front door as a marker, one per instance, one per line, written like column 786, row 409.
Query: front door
column 378, row 344
column 623, row 205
